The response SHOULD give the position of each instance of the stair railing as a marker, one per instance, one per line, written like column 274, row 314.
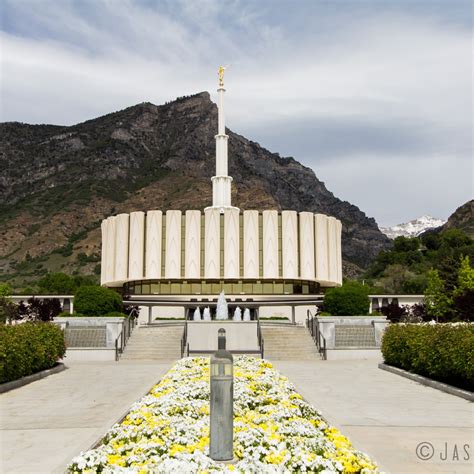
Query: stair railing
column 313, row 326
column 184, row 340
column 259, row 335
column 127, row 327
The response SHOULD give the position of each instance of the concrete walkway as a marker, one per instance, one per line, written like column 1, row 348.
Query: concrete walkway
column 388, row 416
column 48, row 422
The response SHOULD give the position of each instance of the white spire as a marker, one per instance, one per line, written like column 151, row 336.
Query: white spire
column 221, row 183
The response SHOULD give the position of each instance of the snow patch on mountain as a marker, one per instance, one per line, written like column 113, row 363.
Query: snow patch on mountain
column 412, row 228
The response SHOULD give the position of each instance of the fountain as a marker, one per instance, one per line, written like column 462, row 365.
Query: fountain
column 238, row 314
column 197, row 314
column 247, row 314
column 222, row 312
column 206, row 315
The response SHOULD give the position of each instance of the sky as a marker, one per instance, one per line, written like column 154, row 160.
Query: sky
column 374, row 95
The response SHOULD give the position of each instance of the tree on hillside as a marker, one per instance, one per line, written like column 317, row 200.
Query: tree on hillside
column 62, row 284
column 404, row 268
column 463, row 295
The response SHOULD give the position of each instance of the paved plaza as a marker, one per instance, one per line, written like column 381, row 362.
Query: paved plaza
column 46, row 423
column 388, row 416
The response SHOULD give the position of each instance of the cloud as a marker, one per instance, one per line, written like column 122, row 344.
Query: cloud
column 339, row 88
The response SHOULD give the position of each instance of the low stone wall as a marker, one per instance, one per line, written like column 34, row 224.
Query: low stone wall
column 327, row 327
column 240, row 335
column 113, row 326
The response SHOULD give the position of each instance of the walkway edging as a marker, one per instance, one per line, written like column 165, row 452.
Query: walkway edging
column 458, row 392
column 7, row 386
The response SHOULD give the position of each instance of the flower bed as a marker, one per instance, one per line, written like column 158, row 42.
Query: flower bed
column 275, row 430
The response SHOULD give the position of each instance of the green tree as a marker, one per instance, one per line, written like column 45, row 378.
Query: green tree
column 350, row 299
column 57, row 283
column 62, row 284
column 465, row 277
column 394, row 277
column 97, row 301
column 5, row 290
column 406, row 244
column 463, row 294
column 438, row 303
column 454, row 238
column 8, row 309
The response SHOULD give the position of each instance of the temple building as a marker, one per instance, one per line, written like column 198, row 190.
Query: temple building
column 199, row 253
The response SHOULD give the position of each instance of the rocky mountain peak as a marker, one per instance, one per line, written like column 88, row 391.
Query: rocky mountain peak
column 58, row 182
column 412, row 228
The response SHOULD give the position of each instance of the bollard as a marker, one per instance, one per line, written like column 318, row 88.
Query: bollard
column 221, row 446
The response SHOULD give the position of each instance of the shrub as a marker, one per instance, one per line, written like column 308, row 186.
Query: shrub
column 443, row 352
column 394, row 312
column 39, row 310
column 28, row 348
column 350, row 299
column 96, row 301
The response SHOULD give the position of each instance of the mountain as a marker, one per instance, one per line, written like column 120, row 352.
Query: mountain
column 412, row 228
column 462, row 218
column 59, row 182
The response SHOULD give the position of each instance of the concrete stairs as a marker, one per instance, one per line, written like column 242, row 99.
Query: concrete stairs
column 288, row 342
column 160, row 342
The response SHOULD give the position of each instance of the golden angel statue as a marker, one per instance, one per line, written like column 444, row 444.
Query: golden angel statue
column 221, row 75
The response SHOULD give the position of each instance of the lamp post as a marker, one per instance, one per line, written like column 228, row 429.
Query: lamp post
column 222, row 400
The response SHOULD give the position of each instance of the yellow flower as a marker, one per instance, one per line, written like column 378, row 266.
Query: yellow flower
column 176, row 448
column 115, row 459
column 275, row 458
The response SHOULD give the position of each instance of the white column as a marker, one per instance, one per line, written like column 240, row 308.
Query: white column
column 103, row 251
column 154, row 220
column 221, row 182
column 192, row 252
column 121, row 247
column 332, row 251
column 110, row 253
column 321, row 248
column 137, row 241
column 289, row 239
column 251, row 263
column 306, row 245
column 173, row 244
column 221, row 111
column 212, row 262
column 231, row 244
column 270, row 244
column 339, row 251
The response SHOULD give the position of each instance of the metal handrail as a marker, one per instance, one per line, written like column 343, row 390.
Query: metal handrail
column 125, row 333
column 313, row 326
column 184, row 339
column 259, row 334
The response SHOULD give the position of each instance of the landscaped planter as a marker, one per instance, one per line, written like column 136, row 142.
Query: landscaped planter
column 275, row 430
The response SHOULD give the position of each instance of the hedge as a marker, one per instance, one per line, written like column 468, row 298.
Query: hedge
column 28, row 348
column 443, row 352
column 350, row 299
column 97, row 301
